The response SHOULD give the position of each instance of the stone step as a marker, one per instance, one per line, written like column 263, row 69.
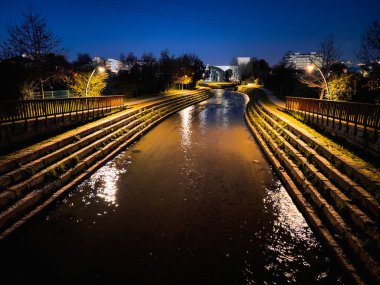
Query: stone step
column 363, row 177
column 25, row 186
column 44, row 189
column 341, row 203
column 335, row 220
column 28, row 170
column 45, row 160
column 307, row 209
column 366, row 202
column 25, row 156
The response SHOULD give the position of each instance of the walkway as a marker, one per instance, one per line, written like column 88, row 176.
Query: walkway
column 167, row 94
column 140, row 101
column 274, row 99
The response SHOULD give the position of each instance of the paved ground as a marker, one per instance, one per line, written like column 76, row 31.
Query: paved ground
column 274, row 99
column 158, row 97
column 135, row 102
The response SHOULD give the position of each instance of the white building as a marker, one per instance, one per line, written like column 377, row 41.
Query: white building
column 216, row 73
column 235, row 71
column 114, row 65
column 299, row 61
column 98, row 60
column 242, row 60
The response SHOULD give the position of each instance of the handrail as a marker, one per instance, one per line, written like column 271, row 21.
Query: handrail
column 359, row 114
column 16, row 110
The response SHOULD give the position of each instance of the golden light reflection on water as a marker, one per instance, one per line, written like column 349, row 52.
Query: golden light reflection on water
column 286, row 241
column 187, row 166
column 104, row 182
column 186, row 119
column 97, row 196
column 222, row 107
column 288, row 216
column 108, row 191
column 203, row 121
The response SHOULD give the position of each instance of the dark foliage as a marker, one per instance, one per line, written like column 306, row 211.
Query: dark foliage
column 255, row 69
column 148, row 75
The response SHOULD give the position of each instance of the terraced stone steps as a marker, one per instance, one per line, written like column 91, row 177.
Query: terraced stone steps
column 27, row 156
column 30, row 174
column 44, row 158
column 54, row 169
column 350, row 212
column 316, row 165
column 357, row 175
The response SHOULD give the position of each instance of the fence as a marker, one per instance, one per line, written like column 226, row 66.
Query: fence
column 358, row 115
column 14, row 110
column 53, row 94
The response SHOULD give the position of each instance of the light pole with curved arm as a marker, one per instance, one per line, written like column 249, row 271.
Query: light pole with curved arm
column 100, row 69
column 310, row 69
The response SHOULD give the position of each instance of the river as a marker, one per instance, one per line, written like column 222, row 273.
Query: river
column 192, row 202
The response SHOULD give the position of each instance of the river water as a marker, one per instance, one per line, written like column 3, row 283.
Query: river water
column 192, row 202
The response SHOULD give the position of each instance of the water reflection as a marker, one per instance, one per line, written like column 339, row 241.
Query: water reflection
column 288, row 216
column 285, row 243
column 102, row 185
column 203, row 120
column 187, row 166
column 186, row 119
column 222, row 107
column 106, row 183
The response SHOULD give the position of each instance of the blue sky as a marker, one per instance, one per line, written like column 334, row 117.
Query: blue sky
column 214, row 30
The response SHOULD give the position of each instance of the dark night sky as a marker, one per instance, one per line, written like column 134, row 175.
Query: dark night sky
column 214, row 30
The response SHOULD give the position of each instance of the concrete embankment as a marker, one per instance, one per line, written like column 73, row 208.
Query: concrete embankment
column 33, row 178
column 339, row 198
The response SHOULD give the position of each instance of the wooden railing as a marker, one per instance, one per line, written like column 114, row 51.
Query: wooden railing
column 18, row 110
column 358, row 115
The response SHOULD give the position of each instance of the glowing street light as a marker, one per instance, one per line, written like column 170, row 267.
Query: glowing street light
column 310, row 68
column 100, row 69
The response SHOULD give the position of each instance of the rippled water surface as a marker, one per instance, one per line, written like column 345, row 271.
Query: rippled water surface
column 193, row 202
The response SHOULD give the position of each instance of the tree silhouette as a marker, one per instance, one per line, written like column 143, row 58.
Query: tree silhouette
column 370, row 46
column 330, row 52
column 32, row 39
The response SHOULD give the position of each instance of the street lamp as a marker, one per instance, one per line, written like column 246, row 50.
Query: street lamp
column 100, row 69
column 310, row 69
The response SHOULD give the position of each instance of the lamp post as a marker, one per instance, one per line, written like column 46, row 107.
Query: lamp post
column 101, row 69
column 310, row 69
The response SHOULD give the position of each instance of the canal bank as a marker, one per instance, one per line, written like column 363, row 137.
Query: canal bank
column 32, row 178
column 193, row 201
column 336, row 190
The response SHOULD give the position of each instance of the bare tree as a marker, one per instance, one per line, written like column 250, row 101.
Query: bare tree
column 370, row 45
column 129, row 60
column 330, row 52
column 234, row 61
column 313, row 80
column 83, row 62
column 31, row 39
